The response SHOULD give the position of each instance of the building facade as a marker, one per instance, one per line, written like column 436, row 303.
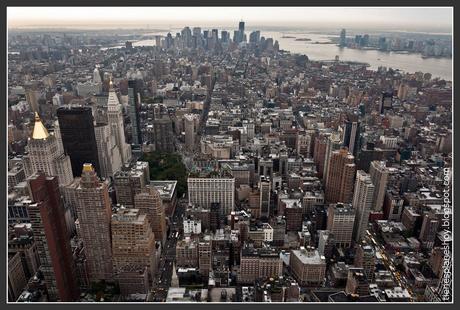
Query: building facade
column 94, row 219
column 133, row 241
column 76, row 126
column 379, row 175
column 45, row 154
column 363, row 199
column 341, row 172
column 259, row 264
column 340, row 222
column 117, row 129
column 50, row 231
column 205, row 191
column 149, row 202
column 308, row 266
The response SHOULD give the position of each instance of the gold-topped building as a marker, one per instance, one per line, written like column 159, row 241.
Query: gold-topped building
column 40, row 131
column 45, row 154
column 94, row 211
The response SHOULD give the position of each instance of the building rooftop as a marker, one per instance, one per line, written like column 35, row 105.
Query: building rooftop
column 397, row 292
column 165, row 188
column 309, row 256
column 182, row 294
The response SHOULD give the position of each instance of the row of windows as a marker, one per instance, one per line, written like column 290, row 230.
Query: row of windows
column 17, row 212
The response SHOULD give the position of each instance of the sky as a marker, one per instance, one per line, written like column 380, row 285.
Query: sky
column 435, row 19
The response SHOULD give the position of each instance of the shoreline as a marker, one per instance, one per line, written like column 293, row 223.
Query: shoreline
column 397, row 52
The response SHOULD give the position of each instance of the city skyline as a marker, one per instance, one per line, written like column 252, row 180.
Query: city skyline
column 229, row 165
column 437, row 19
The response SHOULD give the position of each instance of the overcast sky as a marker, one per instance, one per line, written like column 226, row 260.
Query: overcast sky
column 436, row 19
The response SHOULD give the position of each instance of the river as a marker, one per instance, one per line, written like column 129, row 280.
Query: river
column 438, row 67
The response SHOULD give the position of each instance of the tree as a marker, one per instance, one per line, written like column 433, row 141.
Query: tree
column 167, row 166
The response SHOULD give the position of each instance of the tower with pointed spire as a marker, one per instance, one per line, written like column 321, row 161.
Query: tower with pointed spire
column 174, row 278
column 45, row 154
column 108, row 151
column 115, row 119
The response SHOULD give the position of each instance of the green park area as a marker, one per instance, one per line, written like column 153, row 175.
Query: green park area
column 167, row 166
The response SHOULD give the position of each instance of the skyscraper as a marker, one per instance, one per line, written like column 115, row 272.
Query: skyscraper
column 149, row 202
column 196, row 31
column 32, row 98
column 365, row 258
column 254, row 37
column 215, row 34
column 163, row 134
column 265, row 188
column 343, row 38
column 134, row 101
column 133, row 241
column 115, row 118
column 379, row 175
column 340, row 222
column 205, row 191
column 319, row 154
column 351, row 136
column 108, row 152
column 52, row 237
column 225, row 36
column 333, row 143
column 341, row 172
column 94, row 217
column 363, row 198
column 96, row 76
column 429, row 230
column 76, row 125
column 57, row 134
column 130, row 181
column 238, row 36
column 205, row 256
column 386, row 102
column 190, row 131
column 45, row 154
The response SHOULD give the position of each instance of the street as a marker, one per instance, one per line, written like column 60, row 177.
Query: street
column 401, row 279
column 162, row 280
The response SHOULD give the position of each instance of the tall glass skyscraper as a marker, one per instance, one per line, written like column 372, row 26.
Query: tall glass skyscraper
column 134, row 102
column 343, row 38
column 78, row 138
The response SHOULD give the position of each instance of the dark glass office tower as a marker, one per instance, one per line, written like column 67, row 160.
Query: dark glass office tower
column 240, row 33
column 241, row 26
column 134, row 102
column 225, row 36
column 78, row 137
column 343, row 38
